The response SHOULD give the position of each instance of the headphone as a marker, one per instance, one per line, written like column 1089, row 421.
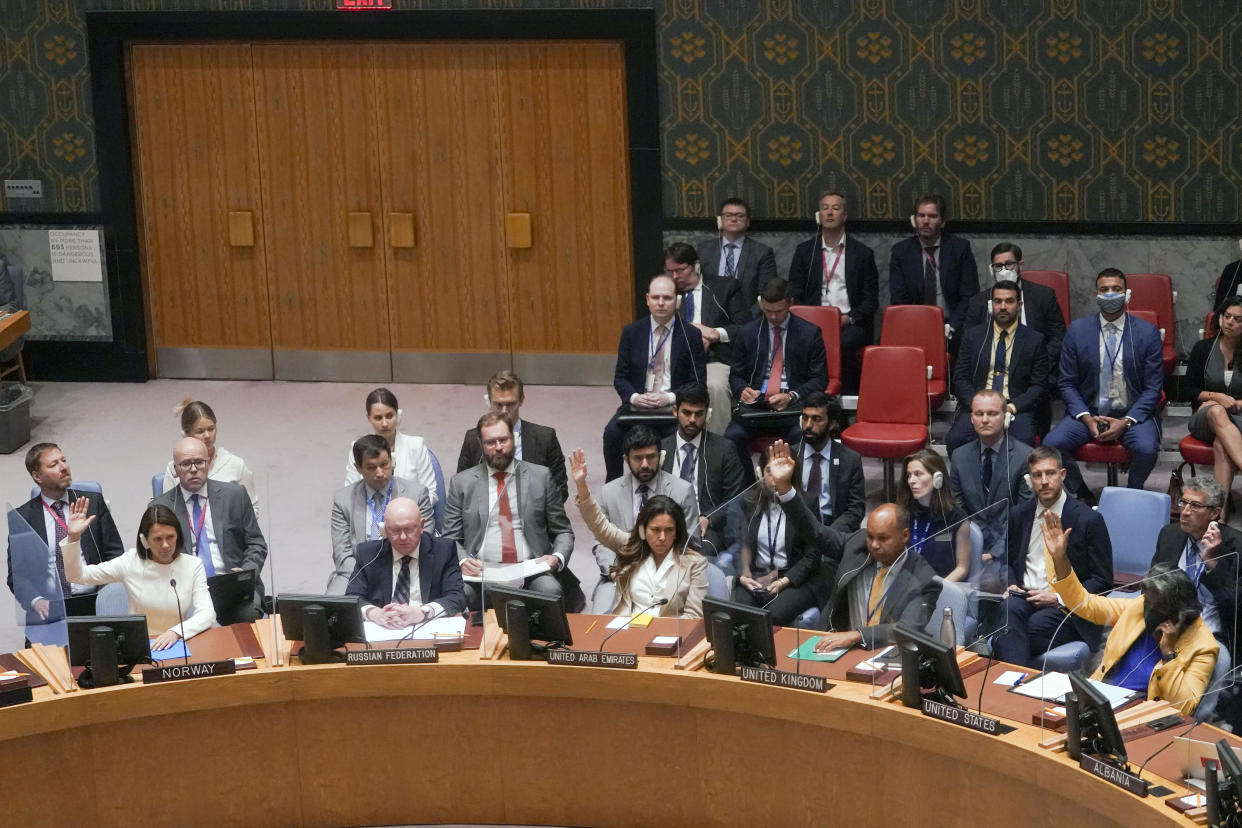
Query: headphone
column 642, row 532
column 1029, row 483
column 914, row 222
column 938, row 480
column 142, row 539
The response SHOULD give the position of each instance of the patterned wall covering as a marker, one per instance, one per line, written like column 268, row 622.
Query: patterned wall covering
column 1064, row 110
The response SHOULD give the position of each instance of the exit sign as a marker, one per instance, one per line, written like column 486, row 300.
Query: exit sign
column 362, row 5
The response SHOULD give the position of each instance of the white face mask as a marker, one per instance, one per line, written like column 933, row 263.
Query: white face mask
column 1006, row 275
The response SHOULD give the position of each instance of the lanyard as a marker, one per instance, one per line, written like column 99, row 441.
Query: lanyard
column 920, row 531
column 202, row 519
column 835, row 261
column 378, row 518
column 1111, row 356
column 774, row 533
column 656, row 348
column 931, row 258
column 55, row 516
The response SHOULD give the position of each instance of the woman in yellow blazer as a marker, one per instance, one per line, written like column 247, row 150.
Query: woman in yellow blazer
column 1158, row 641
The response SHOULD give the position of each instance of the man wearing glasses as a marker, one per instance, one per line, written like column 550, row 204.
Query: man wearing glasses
column 734, row 255
column 217, row 521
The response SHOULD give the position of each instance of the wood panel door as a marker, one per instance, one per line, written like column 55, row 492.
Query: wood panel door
column 197, row 160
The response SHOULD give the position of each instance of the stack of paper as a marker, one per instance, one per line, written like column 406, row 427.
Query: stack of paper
column 454, row 627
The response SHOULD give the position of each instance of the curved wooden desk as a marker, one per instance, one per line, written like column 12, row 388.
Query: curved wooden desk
column 485, row 742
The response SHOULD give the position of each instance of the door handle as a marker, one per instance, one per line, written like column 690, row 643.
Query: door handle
column 241, row 228
column 360, row 233
column 401, row 229
column 517, row 230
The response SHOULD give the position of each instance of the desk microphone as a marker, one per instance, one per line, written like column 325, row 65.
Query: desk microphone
column 661, row 602
column 185, row 651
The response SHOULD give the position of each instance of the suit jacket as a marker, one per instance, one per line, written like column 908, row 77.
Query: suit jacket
column 439, row 576
column 862, row 280
column 1043, row 315
column 910, row 596
column 1221, row 580
column 966, row 477
column 806, row 360
column 684, row 584
column 233, row 523
column 722, row 307
column 101, row 542
column 350, row 513
column 756, row 264
column 544, row 522
column 1029, row 384
column 539, row 445
column 688, row 362
column 719, row 476
column 846, row 483
column 1142, row 365
column 617, row 505
column 959, row 275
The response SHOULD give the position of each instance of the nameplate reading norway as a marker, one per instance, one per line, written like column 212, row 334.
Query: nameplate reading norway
column 961, row 716
column 781, row 678
column 593, row 658
column 396, row 655
column 179, row 672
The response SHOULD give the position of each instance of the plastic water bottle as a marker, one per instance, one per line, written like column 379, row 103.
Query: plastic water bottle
column 948, row 633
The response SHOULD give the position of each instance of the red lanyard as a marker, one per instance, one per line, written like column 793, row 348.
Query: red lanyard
column 55, row 516
column 835, row 261
column 202, row 519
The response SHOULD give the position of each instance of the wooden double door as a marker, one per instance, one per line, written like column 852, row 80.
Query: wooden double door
column 367, row 211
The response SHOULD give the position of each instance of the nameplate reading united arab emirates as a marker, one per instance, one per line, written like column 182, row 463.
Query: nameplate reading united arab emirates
column 961, row 716
column 1114, row 774
column 177, row 672
column 396, row 655
column 593, row 658
column 781, row 678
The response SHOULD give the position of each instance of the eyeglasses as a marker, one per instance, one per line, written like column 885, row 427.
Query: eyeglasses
column 999, row 266
column 1194, row 505
column 733, row 215
column 187, row 465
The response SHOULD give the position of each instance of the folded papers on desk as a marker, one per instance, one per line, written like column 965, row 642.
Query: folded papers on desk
column 454, row 627
column 508, row 573
column 178, row 650
column 1053, row 687
column 623, row 621
column 806, row 651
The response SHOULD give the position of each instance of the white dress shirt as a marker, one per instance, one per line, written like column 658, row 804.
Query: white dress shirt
column 770, row 540
column 410, row 460
column 227, row 467
column 680, row 457
column 433, row 608
column 737, row 259
column 1036, row 576
column 490, row 550
column 665, row 355
column 833, row 293
column 209, row 529
column 646, row 587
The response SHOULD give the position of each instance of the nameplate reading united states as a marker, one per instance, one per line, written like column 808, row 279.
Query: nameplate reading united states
column 396, row 655
column 961, row 716
column 1114, row 774
column 781, row 678
column 179, row 672
column 593, row 658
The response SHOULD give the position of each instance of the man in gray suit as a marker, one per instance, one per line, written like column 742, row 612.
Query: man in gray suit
column 358, row 509
column 621, row 499
column 217, row 520
column 506, row 511
column 734, row 255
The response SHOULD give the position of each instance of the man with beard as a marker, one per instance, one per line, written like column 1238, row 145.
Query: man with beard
column 505, row 511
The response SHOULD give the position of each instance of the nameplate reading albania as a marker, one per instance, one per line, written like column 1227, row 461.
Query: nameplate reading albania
column 178, row 672
column 1114, row 774
column 781, row 678
column 396, row 655
column 593, row 658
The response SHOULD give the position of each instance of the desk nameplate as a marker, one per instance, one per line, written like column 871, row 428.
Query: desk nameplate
column 179, row 672
column 1112, row 773
column 963, row 717
column 593, row 658
column 783, row 678
column 396, row 655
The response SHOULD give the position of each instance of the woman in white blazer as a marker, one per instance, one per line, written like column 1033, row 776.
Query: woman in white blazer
column 655, row 564
column 410, row 458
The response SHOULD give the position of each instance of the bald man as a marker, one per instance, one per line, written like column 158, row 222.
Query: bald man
column 408, row 576
column 218, row 523
column 876, row 583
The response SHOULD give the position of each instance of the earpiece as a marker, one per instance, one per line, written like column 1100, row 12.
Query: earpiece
column 914, row 222
column 719, row 223
column 1128, row 292
column 698, row 270
column 815, row 218
column 1008, row 419
column 487, row 401
column 398, row 416
column 142, row 539
column 937, row 481
column 642, row 532
column 1030, row 485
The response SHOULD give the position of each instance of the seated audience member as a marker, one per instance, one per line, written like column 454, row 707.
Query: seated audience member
column 876, row 583
column 833, row 270
column 1034, row 614
column 779, row 359
column 147, row 571
column 933, row 267
column 1111, row 376
column 622, row 499
column 829, row 474
column 505, row 511
column 1006, row 356
column 408, row 576
column 216, row 519
column 939, row 530
column 410, row 457
column 655, row 564
column 735, row 255
column 198, row 420
column 532, row 442
column 45, row 514
column 1215, row 391
column 655, row 355
column 1228, row 285
column 710, row 464
column 1158, row 645
column 358, row 509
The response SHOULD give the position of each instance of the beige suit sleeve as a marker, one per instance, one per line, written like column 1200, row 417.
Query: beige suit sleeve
column 605, row 531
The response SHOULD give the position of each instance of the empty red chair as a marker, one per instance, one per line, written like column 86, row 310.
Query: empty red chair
column 892, row 407
column 921, row 326
column 1154, row 292
column 1058, row 280
column 829, row 321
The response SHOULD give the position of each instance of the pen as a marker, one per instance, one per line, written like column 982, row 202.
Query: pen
column 1021, row 678
column 593, row 623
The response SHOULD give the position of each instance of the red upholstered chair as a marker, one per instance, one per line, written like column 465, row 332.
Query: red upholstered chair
column 1196, row 452
column 921, row 326
column 1154, row 292
column 1210, row 328
column 1058, row 280
column 829, row 321
column 892, row 407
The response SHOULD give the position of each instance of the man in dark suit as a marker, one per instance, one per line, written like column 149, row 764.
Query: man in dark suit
column 533, row 443
column 832, row 269
column 1006, row 356
column 734, row 255
column 1036, row 622
column 408, row 576
column 933, row 267
column 714, row 306
column 1117, row 403
column 837, row 491
column 217, row 520
column 779, row 359
column 655, row 355
column 35, row 567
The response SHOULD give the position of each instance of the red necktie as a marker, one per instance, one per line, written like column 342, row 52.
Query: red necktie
column 778, row 364
column 508, row 546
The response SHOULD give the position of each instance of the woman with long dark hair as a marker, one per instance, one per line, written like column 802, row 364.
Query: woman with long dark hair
column 924, row 491
column 655, row 563
column 1215, row 390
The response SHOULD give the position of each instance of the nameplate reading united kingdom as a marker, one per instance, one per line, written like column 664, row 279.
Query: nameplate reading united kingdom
column 593, row 658
column 179, row 672
column 1114, row 774
column 781, row 678
column 961, row 716
column 395, row 655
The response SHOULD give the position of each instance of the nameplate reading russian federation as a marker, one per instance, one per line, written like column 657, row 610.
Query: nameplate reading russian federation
column 1114, row 774
column 593, row 658
column 781, row 678
column 178, row 672
column 961, row 716
column 396, row 655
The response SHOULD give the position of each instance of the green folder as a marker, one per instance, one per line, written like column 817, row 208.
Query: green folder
column 807, row 651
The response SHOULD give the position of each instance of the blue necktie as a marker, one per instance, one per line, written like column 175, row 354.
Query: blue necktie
column 687, row 305
column 730, row 261
column 687, row 463
column 998, row 368
column 199, row 526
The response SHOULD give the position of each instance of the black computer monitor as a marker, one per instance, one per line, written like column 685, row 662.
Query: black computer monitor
column 230, row 592
column 1224, row 789
column 527, row 616
column 932, row 666
column 323, row 623
column 1094, row 724
column 108, row 646
column 740, row 635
